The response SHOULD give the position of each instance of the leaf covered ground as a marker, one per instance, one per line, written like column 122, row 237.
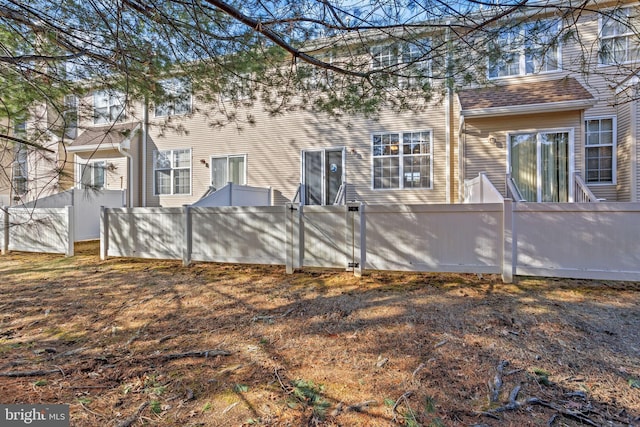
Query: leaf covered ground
column 128, row 342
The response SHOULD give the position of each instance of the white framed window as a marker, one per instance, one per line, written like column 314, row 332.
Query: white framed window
column 92, row 174
column 177, row 98
column 172, row 172
column 619, row 41
column 108, row 107
column 529, row 48
column 19, row 169
column 313, row 77
column 599, row 150
column 225, row 169
column 70, row 116
column 405, row 61
column 402, row 160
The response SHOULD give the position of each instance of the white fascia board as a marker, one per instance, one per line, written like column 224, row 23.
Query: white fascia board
column 514, row 110
column 91, row 147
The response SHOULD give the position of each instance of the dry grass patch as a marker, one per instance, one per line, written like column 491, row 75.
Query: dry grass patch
column 135, row 342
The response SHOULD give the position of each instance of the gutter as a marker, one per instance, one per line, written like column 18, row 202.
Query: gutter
column 145, row 137
column 124, row 148
column 513, row 110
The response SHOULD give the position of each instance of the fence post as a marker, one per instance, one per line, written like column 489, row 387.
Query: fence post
column 288, row 237
column 508, row 242
column 5, row 230
column 187, row 242
column 70, row 232
column 104, row 233
column 363, row 240
column 481, row 176
column 356, row 243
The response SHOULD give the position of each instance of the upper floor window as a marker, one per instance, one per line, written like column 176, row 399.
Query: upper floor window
column 402, row 160
column 108, row 107
column 525, row 49
column 619, row 43
column 19, row 170
column 599, row 150
column 313, row 77
column 406, row 62
column 70, row 116
column 172, row 172
column 177, row 98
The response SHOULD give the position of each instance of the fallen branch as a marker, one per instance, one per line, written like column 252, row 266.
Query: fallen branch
column 358, row 407
column 132, row 419
column 17, row 374
column 494, row 388
column 404, row 398
column 92, row 412
column 206, row 353
column 286, row 389
column 576, row 415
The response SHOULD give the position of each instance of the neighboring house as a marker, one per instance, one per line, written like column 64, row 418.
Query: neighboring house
column 32, row 169
column 543, row 122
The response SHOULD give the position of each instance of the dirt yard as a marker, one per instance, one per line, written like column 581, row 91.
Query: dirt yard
column 132, row 342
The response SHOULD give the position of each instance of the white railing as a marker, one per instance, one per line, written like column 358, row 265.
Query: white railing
column 236, row 195
column 512, row 190
column 582, row 193
column 481, row 190
column 341, row 196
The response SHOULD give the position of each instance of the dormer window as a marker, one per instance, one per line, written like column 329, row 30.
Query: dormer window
column 108, row 107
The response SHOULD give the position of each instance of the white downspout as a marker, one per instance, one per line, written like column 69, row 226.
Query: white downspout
column 634, row 152
column 461, row 171
column 448, row 105
column 145, row 133
column 123, row 148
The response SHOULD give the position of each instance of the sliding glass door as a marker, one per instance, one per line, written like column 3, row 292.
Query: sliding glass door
column 540, row 165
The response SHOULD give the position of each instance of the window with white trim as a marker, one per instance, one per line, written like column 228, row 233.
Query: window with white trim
column 600, row 141
column 172, row 172
column 177, row 98
column 19, row 169
column 406, row 62
column 92, row 174
column 402, row 160
column 70, row 116
column 619, row 42
column 225, row 169
column 528, row 48
column 108, row 107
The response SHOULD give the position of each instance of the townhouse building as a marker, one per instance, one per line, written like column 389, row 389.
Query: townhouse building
column 551, row 121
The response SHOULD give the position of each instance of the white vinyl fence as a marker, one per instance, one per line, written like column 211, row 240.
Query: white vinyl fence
column 86, row 208
column 595, row 240
column 236, row 195
column 52, row 224
column 48, row 230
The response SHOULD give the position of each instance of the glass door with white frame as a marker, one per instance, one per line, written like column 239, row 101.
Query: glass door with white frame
column 540, row 165
column 322, row 175
column 226, row 169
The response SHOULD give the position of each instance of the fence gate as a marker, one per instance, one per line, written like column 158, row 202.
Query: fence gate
column 326, row 236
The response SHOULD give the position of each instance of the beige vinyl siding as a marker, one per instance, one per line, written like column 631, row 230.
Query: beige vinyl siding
column 482, row 155
column 635, row 152
column 273, row 147
column 624, row 152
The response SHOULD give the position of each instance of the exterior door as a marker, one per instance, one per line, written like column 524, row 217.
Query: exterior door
column 322, row 175
column 540, row 165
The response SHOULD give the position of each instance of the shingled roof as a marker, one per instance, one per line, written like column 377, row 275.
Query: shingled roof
column 550, row 95
column 106, row 136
